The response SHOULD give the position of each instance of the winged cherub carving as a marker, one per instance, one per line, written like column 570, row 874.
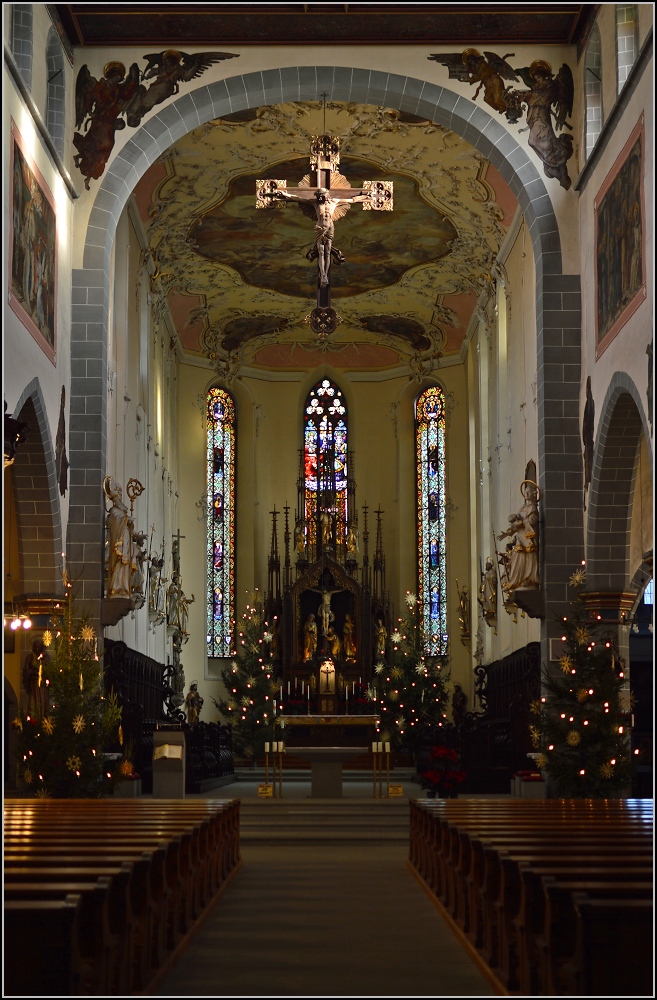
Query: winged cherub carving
column 547, row 98
column 98, row 105
column 169, row 68
column 488, row 70
column 102, row 105
column 547, row 102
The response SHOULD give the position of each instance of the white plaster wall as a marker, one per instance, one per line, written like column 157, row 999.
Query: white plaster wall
column 23, row 358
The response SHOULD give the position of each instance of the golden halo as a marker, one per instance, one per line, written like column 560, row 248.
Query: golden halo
column 540, row 64
column 470, row 52
column 532, row 483
column 110, row 66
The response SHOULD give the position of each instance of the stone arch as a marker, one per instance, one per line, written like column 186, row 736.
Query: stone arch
column 621, row 426
column 558, row 295
column 55, row 94
column 36, row 496
column 22, row 40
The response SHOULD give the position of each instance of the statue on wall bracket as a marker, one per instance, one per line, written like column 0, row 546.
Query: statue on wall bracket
column 546, row 103
column 520, row 572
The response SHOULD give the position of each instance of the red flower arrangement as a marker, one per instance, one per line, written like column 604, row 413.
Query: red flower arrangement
column 444, row 776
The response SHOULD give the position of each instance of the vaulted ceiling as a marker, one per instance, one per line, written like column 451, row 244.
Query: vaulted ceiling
column 237, row 279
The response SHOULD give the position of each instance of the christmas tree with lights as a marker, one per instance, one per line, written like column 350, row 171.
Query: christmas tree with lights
column 410, row 692
column 581, row 728
column 70, row 721
column 251, row 700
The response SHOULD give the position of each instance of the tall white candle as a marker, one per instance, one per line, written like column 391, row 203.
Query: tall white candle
column 274, row 747
column 302, row 688
column 374, row 748
column 379, row 747
column 387, row 748
column 288, row 689
column 266, row 747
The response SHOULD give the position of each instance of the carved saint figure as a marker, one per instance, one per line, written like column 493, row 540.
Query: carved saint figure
column 121, row 563
column 155, row 584
column 325, row 519
column 464, row 609
column 333, row 643
column 588, row 423
column 522, row 570
column 349, row 638
column 309, row 638
column 381, row 637
column 299, row 538
column 61, row 459
column 488, row 591
column 174, row 592
column 352, row 541
column 35, row 675
column 183, row 611
column 193, row 704
column 459, row 701
column 139, row 558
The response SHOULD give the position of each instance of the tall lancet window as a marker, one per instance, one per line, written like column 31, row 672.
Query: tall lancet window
column 430, row 474
column 220, row 522
column 325, row 464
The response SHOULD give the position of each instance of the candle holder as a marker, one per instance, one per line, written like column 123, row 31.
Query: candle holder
column 277, row 751
column 378, row 751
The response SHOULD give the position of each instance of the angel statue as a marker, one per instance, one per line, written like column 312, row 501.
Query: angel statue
column 98, row 105
column 169, row 68
column 488, row 70
column 548, row 97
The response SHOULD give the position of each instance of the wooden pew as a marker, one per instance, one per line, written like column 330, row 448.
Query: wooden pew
column 97, row 946
column 609, row 932
column 41, row 950
column 178, row 855
column 556, row 945
column 458, row 847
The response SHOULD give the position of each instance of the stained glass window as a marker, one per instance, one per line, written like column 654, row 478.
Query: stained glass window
column 430, row 473
column 220, row 522
column 325, row 461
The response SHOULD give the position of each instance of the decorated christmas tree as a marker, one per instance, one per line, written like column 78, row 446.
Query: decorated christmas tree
column 581, row 729
column 252, row 692
column 410, row 692
column 70, row 721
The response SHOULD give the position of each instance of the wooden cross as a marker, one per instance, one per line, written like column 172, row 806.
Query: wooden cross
column 328, row 200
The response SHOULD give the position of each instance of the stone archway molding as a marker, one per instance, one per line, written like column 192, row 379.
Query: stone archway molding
column 621, row 424
column 40, row 530
column 557, row 303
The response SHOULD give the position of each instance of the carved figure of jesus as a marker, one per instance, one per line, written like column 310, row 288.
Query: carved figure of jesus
column 327, row 678
column 326, row 209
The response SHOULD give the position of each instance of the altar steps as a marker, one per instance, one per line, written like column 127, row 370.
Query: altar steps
column 324, row 821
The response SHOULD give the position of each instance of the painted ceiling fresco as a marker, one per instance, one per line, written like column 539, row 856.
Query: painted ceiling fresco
column 237, row 281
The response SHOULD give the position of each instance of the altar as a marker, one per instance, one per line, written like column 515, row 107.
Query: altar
column 327, row 741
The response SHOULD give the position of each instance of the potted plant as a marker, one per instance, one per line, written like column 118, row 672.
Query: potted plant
column 444, row 776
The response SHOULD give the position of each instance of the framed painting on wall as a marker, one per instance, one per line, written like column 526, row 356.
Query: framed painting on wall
column 33, row 248
column 620, row 255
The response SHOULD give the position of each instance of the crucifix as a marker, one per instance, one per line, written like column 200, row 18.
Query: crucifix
column 328, row 200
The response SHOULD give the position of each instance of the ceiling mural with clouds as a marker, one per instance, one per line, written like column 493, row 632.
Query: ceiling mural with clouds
column 237, row 281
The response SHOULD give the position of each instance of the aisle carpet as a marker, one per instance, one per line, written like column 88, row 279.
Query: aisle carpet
column 341, row 918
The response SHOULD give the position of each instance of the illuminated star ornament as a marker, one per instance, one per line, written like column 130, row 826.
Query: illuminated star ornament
column 411, row 600
column 74, row 763
column 46, row 638
column 79, row 723
column 48, row 726
column 573, row 738
column 606, row 770
column 583, row 636
column 565, row 663
column 578, row 578
column 27, row 776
